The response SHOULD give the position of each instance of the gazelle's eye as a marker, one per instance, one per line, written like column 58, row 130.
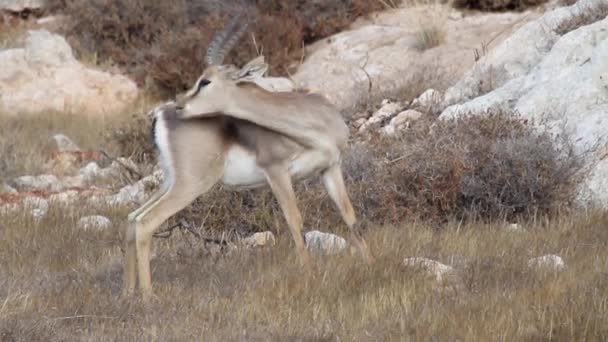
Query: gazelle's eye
column 202, row 83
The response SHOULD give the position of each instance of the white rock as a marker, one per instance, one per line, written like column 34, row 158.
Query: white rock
column 514, row 227
column 379, row 54
column 130, row 194
column 259, row 239
column 44, row 76
column 387, row 111
column 90, row 171
column 401, row 121
column 65, row 144
column 94, row 222
column 434, row 268
column 21, row 5
column 428, row 100
column 550, row 261
column 324, row 242
column 38, row 206
column 41, row 182
column 558, row 80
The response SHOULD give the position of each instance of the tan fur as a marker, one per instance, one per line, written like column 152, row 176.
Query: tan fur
column 198, row 149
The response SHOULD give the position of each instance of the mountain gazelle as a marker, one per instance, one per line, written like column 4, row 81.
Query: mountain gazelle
column 228, row 129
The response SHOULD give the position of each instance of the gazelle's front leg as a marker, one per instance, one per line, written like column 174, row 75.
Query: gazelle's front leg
column 130, row 271
column 280, row 183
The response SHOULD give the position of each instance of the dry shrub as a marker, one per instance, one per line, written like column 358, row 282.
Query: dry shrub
column 161, row 44
column 491, row 166
column 497, row 5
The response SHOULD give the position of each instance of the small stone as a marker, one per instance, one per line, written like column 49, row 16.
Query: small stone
column 455, row 15
column 434, row 268
column 65, row 144
column 427, row 100
column 94, row 222
column 514, row 227
column 41, row 182
column 401, row 121
column 550, row 261
column 386, row 111
column 359, row 122
column 259, row 239
column 327, row 243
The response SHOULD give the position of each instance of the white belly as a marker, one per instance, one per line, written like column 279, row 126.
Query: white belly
column 242, row 171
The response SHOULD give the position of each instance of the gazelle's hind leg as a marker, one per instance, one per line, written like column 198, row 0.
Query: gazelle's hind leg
column 334, row 183
column 280, row 182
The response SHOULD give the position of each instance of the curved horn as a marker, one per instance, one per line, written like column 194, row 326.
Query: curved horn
column 224, row 41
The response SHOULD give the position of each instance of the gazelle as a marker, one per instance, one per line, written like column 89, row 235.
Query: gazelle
column 227, row 129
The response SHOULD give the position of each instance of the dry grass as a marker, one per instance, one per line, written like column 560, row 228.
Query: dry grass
column 584, row 16
column 429, row 37
column 59, row 283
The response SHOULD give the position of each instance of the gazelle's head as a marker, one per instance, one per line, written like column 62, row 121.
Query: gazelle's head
column 214, row 89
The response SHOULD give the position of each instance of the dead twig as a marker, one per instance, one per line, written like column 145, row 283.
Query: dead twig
column 183, row 224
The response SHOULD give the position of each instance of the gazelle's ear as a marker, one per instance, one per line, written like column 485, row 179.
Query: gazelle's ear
column 253, row 70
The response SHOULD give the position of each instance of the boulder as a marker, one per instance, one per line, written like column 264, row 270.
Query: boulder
column 380, row 55
column 44, row 76
column 558, row 79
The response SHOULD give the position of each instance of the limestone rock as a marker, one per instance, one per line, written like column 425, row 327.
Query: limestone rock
column 324, row 243
column 41, row 182
column 259, row 239
column 21, row 5
column 65, row 144
column 94, row 222
column 434, row 268
column 550, row 261
column 557, row 80
column 428, row 101
column 401, row 121
column 380, row 54
column 388, row 110
column 44, row 76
